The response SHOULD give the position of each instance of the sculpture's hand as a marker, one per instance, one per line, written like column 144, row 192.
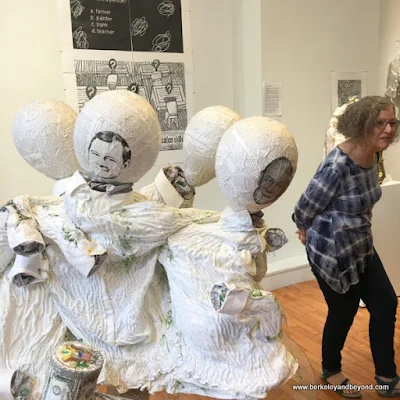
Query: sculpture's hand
column 176, row 176
column 275, row 238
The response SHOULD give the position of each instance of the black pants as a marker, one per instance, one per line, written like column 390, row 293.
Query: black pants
column 380, row 298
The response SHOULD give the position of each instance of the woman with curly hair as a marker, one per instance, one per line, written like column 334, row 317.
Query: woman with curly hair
column 333, row 217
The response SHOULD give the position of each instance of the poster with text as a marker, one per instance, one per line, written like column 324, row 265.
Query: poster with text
column 138, row 45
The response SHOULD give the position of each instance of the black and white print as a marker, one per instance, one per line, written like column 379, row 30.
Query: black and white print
column 162, row 84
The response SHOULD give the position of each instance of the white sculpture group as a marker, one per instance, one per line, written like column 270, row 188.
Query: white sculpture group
column 169, row 296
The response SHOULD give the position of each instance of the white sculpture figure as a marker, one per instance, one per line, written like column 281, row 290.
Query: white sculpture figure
column 225, row 329
column 30, row 325
column 333, row 137
column 122, row 309
column 174, row 186
column 392, row 84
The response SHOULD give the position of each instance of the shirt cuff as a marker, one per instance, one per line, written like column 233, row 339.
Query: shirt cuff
column 169, row 194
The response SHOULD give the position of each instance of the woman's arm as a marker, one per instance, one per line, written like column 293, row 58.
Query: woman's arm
column 316, row 197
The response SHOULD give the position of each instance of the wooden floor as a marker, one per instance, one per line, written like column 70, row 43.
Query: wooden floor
column 305, row 311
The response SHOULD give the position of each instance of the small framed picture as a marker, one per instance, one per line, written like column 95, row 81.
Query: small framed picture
column 347, row 85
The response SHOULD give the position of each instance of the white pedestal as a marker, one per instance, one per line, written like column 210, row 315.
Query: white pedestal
column 386, row 231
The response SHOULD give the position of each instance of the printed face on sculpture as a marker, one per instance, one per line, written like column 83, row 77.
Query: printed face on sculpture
column 273, row 181
column 108, row 155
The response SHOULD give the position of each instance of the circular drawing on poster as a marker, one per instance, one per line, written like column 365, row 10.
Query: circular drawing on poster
column 56, row 390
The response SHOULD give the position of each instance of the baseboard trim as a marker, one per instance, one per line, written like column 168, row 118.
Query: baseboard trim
column 287, row 272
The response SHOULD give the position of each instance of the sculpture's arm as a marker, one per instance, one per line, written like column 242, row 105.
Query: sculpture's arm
column 140, row 228
column 34, row 220
column 243, row 301
column 170, row 188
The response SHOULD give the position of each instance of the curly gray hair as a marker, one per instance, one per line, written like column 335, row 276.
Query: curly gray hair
column 359, row 119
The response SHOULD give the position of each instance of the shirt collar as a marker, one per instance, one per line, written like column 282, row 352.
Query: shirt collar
column 76, row 181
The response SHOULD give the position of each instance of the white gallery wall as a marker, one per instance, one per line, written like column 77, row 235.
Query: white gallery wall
column 389, row 47
column 30, row 67
column 302, row 42
column 237, row 45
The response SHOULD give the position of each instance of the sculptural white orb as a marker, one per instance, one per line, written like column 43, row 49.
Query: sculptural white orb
column 117, row 137
column 255, row 163
column 201, row 140
column 43, row 135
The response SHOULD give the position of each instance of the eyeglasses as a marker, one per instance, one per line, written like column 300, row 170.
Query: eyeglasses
column 382, row 123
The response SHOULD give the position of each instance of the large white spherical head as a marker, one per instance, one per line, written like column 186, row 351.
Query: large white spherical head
column 255, row 163
column 43, row 135
column 117, row 137
column 201, row 140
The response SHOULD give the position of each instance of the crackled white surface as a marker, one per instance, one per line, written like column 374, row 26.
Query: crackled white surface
column 30, row 326
column 244, row 151
column 43, row 135
column 333, row 137
column 219, row 355
column 201, row 139
column 128, row 115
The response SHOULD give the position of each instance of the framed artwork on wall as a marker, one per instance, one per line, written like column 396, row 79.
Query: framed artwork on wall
column 347, row 85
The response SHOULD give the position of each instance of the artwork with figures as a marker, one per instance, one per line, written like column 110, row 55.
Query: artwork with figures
column 150, row 292
column 162, row 84
column 127, row 25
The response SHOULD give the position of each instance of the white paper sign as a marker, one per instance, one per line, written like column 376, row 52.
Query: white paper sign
column 272, row 99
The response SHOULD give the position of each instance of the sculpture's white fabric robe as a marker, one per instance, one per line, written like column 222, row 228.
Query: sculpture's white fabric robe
column 30, row 326
column 227, row 356
column 123, row 308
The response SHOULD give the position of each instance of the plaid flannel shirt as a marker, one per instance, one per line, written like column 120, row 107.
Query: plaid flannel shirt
column 336, row 211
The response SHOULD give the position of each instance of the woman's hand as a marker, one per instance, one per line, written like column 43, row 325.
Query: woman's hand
column 302, row 236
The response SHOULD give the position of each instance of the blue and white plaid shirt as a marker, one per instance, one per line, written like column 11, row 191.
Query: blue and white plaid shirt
column 336, row 211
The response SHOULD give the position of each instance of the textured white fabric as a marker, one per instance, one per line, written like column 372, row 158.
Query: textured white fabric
column 78, row 250
column 29, row 323
column 29, row 319
column 244, row 152
column 132, row 230
column 123, row 308
column 43, row 135
column 61, row 186
column 235, row 301
column 201, row 139
column 392, row 85
column 162, row 191
column 128, row 115
column 30, row 328
column 36, row 268
column 219, row 355
column 333, row 137
column 23, row 235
